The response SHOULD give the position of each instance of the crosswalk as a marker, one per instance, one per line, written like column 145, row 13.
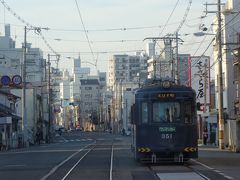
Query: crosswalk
column 73, row 140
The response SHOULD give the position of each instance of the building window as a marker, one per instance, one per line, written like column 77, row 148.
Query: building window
column 88, row 88
column 88, row 95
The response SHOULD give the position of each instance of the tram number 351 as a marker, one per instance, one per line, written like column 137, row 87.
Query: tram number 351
column 166, row 136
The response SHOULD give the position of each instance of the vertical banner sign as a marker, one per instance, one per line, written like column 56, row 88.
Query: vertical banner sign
column 200, row 78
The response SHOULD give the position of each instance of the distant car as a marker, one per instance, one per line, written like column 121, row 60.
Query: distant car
column 128, row 133
column 79, row 128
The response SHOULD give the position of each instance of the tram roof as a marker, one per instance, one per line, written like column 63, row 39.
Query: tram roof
column 161, row 88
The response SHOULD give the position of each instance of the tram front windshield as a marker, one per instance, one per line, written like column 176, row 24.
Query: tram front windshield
column 166, row 112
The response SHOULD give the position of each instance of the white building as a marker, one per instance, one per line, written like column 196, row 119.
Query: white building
column 230, row 40
column 11, row 60
column 90, row 103
column 78, row 74
column 126, row 68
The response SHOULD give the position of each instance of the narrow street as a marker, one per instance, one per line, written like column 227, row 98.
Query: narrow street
column 103, row 156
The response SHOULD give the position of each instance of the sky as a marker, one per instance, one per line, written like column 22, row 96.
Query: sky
column 112, row 26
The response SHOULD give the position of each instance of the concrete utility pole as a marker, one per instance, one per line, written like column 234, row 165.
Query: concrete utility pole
column 50, row 119
column 176, row 60
column 24, row 110
column 220, row 80
column 49, row 99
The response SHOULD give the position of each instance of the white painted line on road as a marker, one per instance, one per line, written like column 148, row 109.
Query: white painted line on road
column 63, row 162
column 111, row 165
column 202, row 164
column 205, row 177
column 38, row 151
column 215, row 170
column 15, row 165
column 76, row 164
column 180, row 176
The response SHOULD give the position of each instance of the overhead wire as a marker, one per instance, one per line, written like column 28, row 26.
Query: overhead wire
column 217, row 60
column 184, row 16
column 169, row 17
column 35, row 28
column 85, row 32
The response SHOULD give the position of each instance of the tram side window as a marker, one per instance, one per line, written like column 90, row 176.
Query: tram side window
column 188, row 112
column 144, row 113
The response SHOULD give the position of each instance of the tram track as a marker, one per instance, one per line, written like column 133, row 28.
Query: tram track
column 77, row 158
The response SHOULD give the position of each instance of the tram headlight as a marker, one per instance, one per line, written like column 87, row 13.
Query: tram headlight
column 166, row 84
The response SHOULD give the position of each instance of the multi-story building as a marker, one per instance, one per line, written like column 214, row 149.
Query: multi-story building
column 183, row 68
column 230, row 37
column 230, row 41
column 126, row 68
column 237, row 101
column 11, row 61
column 90, row 103
column 78, row 74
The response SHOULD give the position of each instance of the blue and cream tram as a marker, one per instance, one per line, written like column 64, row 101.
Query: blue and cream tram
column 164, row 123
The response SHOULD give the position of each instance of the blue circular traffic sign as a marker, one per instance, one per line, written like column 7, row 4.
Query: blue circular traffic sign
column 17, row 80
column 5, row 80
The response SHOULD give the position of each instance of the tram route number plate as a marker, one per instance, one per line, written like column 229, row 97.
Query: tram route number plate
column 166, row 136
column 166, row 132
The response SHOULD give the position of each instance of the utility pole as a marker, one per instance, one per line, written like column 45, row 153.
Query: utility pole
column 176, row 59
column 126, row 113
column 220, row 81
column 24, row 113
column 50, row 118
column 49, row 99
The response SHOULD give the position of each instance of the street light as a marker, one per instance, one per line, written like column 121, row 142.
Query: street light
column 198, row 34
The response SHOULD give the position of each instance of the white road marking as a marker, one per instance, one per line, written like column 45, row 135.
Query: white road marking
column 215, row 170
column 111, row 165
column 63, row 162
column 15, row 165
column 180, row 176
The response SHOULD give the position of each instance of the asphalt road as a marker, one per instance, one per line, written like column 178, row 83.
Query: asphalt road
column 103, row 156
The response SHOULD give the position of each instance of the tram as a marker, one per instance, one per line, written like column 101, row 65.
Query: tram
column 164, row 123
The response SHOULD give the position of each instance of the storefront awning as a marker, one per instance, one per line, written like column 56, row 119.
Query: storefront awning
column 4, row 110
column 7, row 112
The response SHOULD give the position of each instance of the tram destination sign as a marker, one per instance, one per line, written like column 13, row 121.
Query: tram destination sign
column 166, row 95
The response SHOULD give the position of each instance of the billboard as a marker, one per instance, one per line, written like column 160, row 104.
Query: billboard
column 200, row 79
